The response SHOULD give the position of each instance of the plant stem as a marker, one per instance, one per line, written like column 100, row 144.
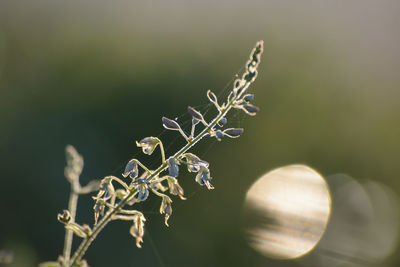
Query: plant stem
column 72, row 204
column 107, row 217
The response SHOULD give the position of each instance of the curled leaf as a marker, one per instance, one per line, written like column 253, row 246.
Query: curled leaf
column 170, row 124
column 195, row 114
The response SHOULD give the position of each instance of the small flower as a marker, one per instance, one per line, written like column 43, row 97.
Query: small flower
column 219, row 135
column 166, row 208
column 248, row 97
column 148, row 144
column 175, row 188
column 137, row 229
column 233, row 132
column 204, row 178
column 170, row 124
column 250, row 109
column 98, row 208
column 106, row 188
column 131, row 169
column 173, row 167
column 143, row 189
column 222, row 122
column 195, row 114
column 194, row 162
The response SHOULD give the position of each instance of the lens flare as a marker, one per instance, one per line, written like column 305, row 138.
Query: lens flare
column 286, row 212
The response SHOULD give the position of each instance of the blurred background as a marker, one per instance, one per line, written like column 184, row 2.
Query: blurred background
column 101, row 74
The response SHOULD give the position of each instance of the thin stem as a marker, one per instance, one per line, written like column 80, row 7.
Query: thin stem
column 144, row 167
column 183, row 134
column 119, row 181
column 72, row 204
column 162, row 150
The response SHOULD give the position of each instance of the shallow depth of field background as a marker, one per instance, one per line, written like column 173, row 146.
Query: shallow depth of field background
column 100, row 75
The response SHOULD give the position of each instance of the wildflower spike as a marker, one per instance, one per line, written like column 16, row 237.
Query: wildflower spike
column 115, row 202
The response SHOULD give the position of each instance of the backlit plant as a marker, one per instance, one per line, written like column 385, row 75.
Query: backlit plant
column 111, row 203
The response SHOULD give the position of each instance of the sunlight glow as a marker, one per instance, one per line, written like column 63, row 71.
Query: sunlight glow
column 286, row 212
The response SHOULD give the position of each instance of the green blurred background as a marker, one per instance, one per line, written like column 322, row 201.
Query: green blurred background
column 101, row 74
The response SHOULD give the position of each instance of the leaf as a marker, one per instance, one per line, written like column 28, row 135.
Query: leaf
column 170, row 124
column 195, row 114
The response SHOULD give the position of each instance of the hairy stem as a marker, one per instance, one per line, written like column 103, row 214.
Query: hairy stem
column 108, row 216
